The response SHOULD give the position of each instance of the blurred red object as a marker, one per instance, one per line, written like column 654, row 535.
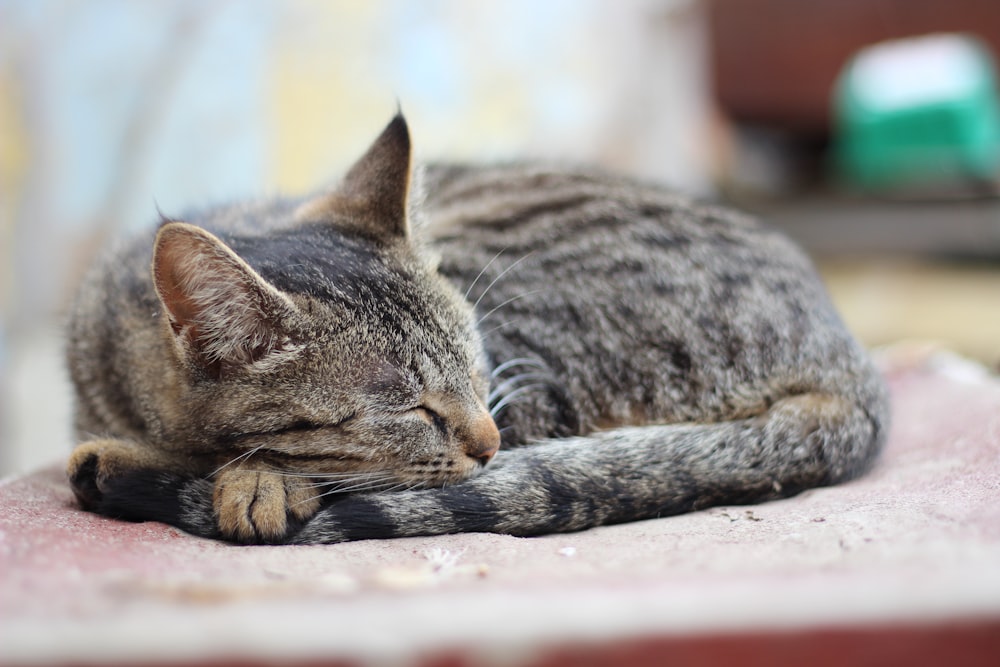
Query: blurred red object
column 774, row 62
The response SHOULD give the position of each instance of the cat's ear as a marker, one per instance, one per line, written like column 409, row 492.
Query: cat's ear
column 221, row 311
column 372, row 198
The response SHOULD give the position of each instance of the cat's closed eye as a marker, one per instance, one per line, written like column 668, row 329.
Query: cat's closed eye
column 431, row 417
column 303, row 425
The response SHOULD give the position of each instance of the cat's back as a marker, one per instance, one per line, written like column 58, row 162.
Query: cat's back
column 585, row 226
column 639, row 303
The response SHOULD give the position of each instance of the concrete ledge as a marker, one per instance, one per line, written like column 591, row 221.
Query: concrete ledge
column 902, row 566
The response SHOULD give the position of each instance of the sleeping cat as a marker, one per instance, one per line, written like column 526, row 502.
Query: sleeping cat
column 347, row 366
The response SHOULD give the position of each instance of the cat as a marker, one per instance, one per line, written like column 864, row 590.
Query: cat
column 347, row 365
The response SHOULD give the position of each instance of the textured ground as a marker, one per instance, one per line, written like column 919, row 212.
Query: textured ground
column 901, row 564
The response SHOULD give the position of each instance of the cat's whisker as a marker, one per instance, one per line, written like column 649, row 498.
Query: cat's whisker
column 328, row 475
column 361, row 485
column 508, row 302
column 505, row 386
column 404, row 486
column 312, row 498
column 362, row 478
column 347, row 481
column 483, row 334
column 495, row 414
column 519, row 361
column 502, row 274
column 495, row 410
column 239, row 458
column 480, row 275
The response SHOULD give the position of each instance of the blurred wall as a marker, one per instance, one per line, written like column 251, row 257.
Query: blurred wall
column 110, row 108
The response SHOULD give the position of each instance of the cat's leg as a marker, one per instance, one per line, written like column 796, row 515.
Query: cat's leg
column 94, row 463
column 248, row 502
column 628, row 474
column 127, row 480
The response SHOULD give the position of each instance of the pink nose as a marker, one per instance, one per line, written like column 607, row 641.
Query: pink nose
column 483, row 439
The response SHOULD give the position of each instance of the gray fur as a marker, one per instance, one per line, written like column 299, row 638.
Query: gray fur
column 642, row 355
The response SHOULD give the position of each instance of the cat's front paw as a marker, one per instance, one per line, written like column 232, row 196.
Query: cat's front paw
column 126, row 480
column 95, row 463
column 259, row 505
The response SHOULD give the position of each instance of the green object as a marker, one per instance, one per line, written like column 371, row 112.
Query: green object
column 920, row 111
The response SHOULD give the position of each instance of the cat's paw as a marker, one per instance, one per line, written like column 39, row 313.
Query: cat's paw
column 93, row 464
column 259, row 505
column 124, row 480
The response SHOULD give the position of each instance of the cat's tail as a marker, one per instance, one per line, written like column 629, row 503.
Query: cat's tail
column 628, row 474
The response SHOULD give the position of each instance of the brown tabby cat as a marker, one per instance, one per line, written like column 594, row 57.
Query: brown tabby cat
column 347, row 366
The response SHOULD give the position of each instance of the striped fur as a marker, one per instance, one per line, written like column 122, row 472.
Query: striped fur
column 640, row 354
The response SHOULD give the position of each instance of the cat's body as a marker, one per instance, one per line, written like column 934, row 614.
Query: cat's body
column 641, row 355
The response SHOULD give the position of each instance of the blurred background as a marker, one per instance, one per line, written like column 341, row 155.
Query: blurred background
column 878, row 151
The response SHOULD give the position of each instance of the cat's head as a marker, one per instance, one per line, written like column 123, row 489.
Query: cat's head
column 327, row 342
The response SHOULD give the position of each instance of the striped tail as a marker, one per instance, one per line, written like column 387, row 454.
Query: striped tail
column 626, row 474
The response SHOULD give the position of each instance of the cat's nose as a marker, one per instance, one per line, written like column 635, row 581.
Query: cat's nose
column 483, row 441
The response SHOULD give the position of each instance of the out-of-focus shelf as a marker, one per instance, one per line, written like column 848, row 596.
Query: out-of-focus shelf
column 832, row 226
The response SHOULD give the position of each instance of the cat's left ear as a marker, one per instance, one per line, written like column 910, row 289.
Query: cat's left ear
column 372, row 198
column 221, row 312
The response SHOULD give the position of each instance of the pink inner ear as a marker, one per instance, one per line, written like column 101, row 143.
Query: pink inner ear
column 172, row 248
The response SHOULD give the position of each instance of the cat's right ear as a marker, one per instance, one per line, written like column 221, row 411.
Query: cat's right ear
column 221, row 312
column 373, row 197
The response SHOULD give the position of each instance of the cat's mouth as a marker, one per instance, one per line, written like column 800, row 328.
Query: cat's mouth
column 443, row 470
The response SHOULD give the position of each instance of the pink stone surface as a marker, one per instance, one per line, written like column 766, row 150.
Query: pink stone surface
column 916, row 541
